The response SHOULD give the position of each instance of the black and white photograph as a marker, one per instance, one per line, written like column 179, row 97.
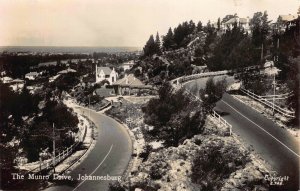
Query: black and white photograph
column 149, row 95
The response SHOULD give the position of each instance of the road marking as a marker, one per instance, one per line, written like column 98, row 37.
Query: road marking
column 261, row 128
column 97, row 166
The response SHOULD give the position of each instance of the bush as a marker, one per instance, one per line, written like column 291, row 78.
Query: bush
column 146, row 151
column 115, row 187
column 174, row 116
column 215, row 162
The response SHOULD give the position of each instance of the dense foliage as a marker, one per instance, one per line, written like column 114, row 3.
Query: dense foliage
column 215, row 162
column 212, row 93
column 174, row 116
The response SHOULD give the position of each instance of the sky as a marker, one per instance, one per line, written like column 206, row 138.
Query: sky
column 112, row 23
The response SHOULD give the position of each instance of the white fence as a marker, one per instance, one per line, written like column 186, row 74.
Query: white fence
column 196, row 98
column 62, row 155
column 269, row 104
column 279, row 96
column 182, row 79
column 222, row 121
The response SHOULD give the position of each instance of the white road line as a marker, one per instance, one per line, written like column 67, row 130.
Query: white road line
column 97, row 166
column 261, row 129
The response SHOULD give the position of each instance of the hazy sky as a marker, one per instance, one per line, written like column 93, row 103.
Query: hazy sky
column 115, row 22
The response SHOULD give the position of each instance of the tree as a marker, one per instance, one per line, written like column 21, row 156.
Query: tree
column 220, row 59
column 168, row 40
column 212, row 93
column 260, row 28
column 219, row 23
column 192, row 27
column 243, row 54
column 150, row 48
column 173, row 115
column 293, row 85
column 182, row 32
column 199, row 26
column 157, row 44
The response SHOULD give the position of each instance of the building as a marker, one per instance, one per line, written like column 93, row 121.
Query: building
column 242, row 22
column 128, row 84
column 128, row 65
column 31, row 75
column 105, row 73
column 284, row 22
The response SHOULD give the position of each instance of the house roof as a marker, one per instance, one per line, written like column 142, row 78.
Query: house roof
column 129, row 80
column 235, row 19
column 288, row 17
column 106, row 70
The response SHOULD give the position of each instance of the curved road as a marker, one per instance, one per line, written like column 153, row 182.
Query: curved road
column 109, row 157
column 274, row 144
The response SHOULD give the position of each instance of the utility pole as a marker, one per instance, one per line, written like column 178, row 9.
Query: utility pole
column 274, row 84
column 274, row 77
column 53, row 148
column 89, row 106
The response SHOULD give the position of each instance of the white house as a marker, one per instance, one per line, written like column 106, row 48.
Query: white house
column 128, row 65
column 105, row 73
column 31, row 75
column 242, row 22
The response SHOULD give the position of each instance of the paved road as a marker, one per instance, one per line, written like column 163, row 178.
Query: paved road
column 110, row 156
column 272, row 143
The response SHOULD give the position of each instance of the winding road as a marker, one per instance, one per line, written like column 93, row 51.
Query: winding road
column 275, row 145
column 108, row 158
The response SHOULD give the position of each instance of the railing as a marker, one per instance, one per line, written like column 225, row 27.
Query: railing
column 194, row 97
column 222, row 121
column 182, row 79
column 269, row 104
column 62, row 155
column 279, row 96
column 50, row 163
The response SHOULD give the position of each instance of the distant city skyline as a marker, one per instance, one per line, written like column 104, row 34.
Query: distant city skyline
column 118, row 22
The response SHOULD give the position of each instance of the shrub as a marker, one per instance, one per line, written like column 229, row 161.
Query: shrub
column 172, row 116
column 146, row 151
column 215, row 162
column 116, row 187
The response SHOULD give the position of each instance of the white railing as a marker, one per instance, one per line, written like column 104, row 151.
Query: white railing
column 62, row 155
column 269, row 104
column 182, row 79
column 194, row 97
column 222, row 121
column 279, row 96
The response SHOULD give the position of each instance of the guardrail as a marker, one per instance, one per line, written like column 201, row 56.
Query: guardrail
column 194, row 97
column 279, row 96
column 222, row 121
column 182, row 79
column 269, row 104
column 214, row 113
column 46, row 165
column 62, row 155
